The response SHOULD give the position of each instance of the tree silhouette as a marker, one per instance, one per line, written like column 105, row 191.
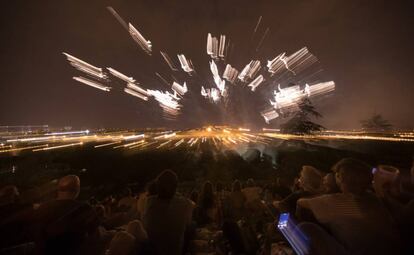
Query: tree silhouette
column 301, row 122
column 376, row 123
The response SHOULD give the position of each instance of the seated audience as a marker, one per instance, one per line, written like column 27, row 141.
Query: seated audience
column 251, row 191
column 237, row 200
column 14, row 217
column 329, row 184
column 123, row 243
column 128, row 201
column 167, row 215
column 63, row 225
column 150, row 190
column 309, row 183
column 357, row 220
column 136, row 229
column 207, row 209
column 281, row 188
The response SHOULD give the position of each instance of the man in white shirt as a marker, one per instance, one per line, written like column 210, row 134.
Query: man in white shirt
column 355, row 218
column 167, row 215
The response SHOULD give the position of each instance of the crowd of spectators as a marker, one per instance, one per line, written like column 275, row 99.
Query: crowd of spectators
column 353, row 209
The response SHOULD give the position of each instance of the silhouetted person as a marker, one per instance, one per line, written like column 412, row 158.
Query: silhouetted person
column 357, row 220
column 14, row 217
column 63, row 225
column 207, row 210
column 167, row 215
column 237, row 201
column 123, row 243
column 309, row 182
column 329, row 184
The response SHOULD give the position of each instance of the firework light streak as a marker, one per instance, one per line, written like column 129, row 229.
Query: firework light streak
column 281, row 100
column 137, row 89
column 256, row 82
column 249, row 71
column 120, row 75
column 85, row 67
column 169, row 62
column 230, row 73
column 146, row 45
column 135, row 94
column 180, row 89
column 221, row 84
column 92, row 83
column 186, row 64
column 106, row 144
column 133, row 137
column 58, row 147
column 24, row 148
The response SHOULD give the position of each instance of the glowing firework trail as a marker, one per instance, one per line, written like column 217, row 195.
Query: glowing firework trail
column 138, row 89
column 179, row 143
column 92, row 83
column 168, row 101
column 261, row 40
column 162, row 79
column 144, row 143
column 85, row 67
column 213, row 94
column 69, row 133
column 230, row 73
column 212, row 45
column 186, row 64
column 24, row 148
column 249, row 71
column 106, row 144
column 301, row 60
column 217, row 48
column 222, row 46
column 180, row 89
column 134, row 33
column 116, row 15
column 294, row 63
column 288, row 98
column 133, row 137
column 256, row 82
column 194, row 142
column 321, row 88
column 221, row 84
column 257, row 25
column 169, row 62
column 165, row 136
column 139, row 39
column 269, row 115
column 135, row 94
column 147, row 144
column 128, row 144
column 163, row 144
column 31, row 139
column 58, row 147
column 120, row 75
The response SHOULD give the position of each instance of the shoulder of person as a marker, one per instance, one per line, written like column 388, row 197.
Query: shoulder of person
column 317, row 199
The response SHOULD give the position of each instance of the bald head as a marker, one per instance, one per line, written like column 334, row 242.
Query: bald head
column 68, row 187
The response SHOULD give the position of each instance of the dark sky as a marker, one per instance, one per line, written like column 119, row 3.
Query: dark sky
column 366, row 47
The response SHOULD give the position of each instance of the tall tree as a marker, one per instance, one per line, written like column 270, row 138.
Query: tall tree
column 301, row 122
column 376, row 123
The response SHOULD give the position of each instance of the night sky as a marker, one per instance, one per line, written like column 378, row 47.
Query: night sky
column 366, row 47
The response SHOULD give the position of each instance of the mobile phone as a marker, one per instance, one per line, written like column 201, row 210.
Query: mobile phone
column 296, row 238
